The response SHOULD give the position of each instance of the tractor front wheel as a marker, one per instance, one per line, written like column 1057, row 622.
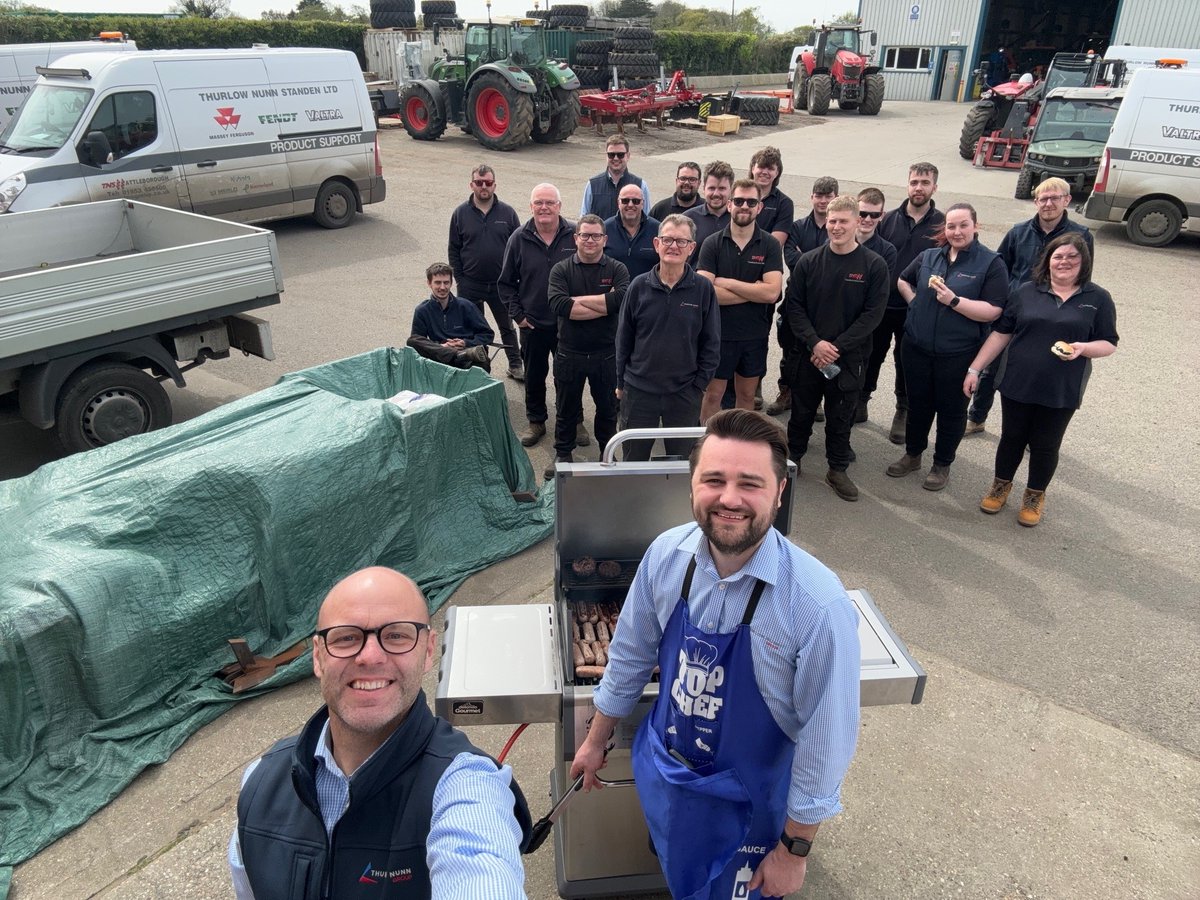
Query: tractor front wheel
column 872, row 100
column 501, row 117
column 423, row 119
column 974, row 127
column 819, row 89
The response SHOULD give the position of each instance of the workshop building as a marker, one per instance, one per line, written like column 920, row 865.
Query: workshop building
column 930, row 49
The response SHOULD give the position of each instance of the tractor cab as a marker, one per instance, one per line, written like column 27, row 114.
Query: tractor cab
column 831, row 41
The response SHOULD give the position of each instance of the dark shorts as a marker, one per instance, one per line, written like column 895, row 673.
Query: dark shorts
column 745, row 358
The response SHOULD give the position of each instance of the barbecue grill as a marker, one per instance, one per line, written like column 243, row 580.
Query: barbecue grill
column 513, row 664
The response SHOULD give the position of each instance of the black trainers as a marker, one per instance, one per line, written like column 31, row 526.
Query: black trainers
column 549, row 473
column 841, row 484
column 905, row 465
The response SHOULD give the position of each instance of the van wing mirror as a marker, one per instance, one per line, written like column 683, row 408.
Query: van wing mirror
column 96, row 149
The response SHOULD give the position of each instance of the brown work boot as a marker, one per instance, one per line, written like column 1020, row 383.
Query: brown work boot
column 478, row 356
column 973, row 428
column 516, row 372
column 937, row 478
column 782, row 402
column 1033, row 504
column 549, row 473
column 993, row 501
column 842, row 485
column 535, row 432
column 582, row 438
column 904, row 465
column 899, row 422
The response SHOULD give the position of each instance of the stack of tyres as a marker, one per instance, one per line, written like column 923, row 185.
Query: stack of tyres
column 591, row 63
column 568, row 15
column 537, row 14
column 755, row 109
column 393, row 14
column 634, row 56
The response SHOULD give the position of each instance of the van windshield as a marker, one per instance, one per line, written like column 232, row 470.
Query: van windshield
column 45, row 120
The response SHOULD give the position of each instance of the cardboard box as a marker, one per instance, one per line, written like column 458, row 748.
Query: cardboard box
column 724, row 124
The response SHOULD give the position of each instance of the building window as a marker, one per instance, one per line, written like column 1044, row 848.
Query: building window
column 907, row 58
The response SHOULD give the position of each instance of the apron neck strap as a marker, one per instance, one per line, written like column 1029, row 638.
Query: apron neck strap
column 759, row 587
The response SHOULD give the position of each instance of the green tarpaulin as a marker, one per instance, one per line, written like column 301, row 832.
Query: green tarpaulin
column 124, row 570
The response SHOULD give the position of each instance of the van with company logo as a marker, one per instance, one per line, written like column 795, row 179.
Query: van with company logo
column 246, row 135
column 1149, row 174
column 19, row 62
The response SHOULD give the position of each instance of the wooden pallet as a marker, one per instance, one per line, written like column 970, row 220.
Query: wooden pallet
column 698, row 123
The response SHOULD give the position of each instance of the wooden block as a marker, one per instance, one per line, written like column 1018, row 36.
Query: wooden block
column 724, row 124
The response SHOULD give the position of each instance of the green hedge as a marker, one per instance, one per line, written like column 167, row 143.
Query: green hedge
column 182, row 34
column 717, row 53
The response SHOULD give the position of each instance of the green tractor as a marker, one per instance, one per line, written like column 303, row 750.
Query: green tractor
column 503, row 89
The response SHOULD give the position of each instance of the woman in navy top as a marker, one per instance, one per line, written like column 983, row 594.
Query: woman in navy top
column 946, row 324
column 1041, row 389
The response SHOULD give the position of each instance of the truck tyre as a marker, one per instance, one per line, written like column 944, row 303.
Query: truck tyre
column 501, row 117
column 819, row 89
column 1024, row 189
column 564, row 122
column 1154, row 223
column 106, row 401
column 423, row 118
column 336, row 205
column 974, row 127
column 872, row 98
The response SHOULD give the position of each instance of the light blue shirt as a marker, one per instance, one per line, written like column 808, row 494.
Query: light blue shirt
column 474, row 840
column 804, row 644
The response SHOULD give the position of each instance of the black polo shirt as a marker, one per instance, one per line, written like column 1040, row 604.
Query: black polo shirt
column 776, row 211
column 1035, row 319
column 669, row 206
column 706, row 224
column 721, row 256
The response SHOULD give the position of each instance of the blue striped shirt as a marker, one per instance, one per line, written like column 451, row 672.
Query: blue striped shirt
column 474, row 841
column 804, row 644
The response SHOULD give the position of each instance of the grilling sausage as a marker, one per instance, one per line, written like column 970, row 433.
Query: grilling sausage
column 601, row 654
column 602, row 632
column 589, row 671
column 577, row 654
column 589, row 655
column 589, row 633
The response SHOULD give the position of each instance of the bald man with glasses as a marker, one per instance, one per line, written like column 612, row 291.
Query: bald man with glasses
column 428, row 811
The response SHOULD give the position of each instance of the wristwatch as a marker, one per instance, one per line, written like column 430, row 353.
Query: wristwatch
column 954, row 302
column 797, row 846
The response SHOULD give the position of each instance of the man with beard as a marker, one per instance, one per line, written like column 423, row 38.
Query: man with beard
column 752, row 637
column 745, row 264
column 600, row 195
column 687, row 192
column 713, row 214
column 375, row 788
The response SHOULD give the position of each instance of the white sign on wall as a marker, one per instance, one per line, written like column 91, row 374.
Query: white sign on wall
column 914, row 12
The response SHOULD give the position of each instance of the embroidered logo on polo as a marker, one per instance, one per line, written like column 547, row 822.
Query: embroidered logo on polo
column 855, row 277
column 697, row 680
column 371, row 875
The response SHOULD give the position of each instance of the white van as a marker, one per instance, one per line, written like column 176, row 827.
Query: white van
column 246, row 135
column 1150, row 172
column 19, row 62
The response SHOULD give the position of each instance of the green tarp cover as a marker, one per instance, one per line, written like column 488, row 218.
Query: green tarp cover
column 124, row 570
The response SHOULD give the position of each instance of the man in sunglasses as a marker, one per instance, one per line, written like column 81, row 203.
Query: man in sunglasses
column 870, row 212
column 687, row 192
column 744, row 262
column 600, row 195
column 376, row 789
column 631, row 233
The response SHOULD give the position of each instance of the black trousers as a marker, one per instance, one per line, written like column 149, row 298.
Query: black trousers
column 435, row 351
column 571, row 372
column 640, row 409
column 787, row 343
column 1038, row 428
column 537, row 349
column 934, row 386
column 985, row 390
column 809, row 387
column 891, row 328
column 504, row 327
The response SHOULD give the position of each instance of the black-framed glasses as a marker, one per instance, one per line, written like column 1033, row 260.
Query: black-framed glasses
column 687, row 179
column 589, row 238
column 631, row 201
column 745, row 201
column 675, row 242
column 867, row 214
column 347, row 641
column 479, row 182
column 616, row 154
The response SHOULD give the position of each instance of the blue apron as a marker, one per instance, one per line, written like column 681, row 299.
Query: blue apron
column 711, row 764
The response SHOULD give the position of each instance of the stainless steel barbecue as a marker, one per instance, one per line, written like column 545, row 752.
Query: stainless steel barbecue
column 512, row 664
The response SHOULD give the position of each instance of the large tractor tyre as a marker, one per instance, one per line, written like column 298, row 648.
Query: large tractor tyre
column 567, row 21
column 590, row 59
column 444, row 23
column 974, row 127
column 599, row 47
column 872, row 98
column 1154, row 223
column 564, row 122
column 536, row 14
column 393, row 20
column 1024, row 189
column 501, row 117
column 387, row 6
column 570, row 9
column 423, row 118
column 800, row 92
column 634, row 45
column 819, row 89
column 633, row 60
column 105, row 401
column 633, row 32
column 438, row 8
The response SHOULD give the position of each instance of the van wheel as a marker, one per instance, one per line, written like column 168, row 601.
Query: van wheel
column 105, row 402
column 1154, row 223
column 336, row 205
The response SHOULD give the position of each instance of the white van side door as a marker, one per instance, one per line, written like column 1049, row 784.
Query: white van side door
column 143, row 162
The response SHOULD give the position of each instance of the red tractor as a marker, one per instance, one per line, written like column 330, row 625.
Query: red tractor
column 839, row 68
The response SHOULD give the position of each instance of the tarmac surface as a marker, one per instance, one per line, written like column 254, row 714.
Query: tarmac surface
column 1057, row 750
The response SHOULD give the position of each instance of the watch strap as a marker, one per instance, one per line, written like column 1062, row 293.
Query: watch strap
column 797, row 846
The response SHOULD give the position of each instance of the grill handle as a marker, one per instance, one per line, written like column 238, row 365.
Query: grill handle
column 646, row 434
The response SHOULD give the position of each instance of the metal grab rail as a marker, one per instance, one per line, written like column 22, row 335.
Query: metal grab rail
column 643, row 434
